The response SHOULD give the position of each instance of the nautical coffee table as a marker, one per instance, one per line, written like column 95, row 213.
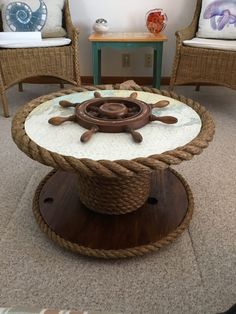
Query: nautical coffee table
column 112, row 197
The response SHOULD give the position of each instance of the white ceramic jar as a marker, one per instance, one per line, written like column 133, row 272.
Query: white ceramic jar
column 100, row 26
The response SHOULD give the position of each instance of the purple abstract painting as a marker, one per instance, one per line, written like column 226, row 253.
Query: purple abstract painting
column 221, row 13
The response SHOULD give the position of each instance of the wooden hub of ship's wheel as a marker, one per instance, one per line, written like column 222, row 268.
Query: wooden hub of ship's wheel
column 113, row 115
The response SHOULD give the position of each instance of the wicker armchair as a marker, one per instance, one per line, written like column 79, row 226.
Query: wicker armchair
column 201, row 65
column 19, row 64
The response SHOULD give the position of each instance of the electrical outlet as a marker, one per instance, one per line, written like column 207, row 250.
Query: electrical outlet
column 148, row 60
column 125, row 60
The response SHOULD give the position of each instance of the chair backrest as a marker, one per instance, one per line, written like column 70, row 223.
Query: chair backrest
column 198, row 7
column 197, row 14
column 1, row 26
column 67, row 21
column 65, row 13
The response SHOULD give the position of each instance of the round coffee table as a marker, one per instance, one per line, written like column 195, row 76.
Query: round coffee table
column 111, row 197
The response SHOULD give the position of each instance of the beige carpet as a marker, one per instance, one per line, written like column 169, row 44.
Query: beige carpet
column 195, row 274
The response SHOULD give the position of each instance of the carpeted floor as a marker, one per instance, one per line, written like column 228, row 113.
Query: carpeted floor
column 195, row 274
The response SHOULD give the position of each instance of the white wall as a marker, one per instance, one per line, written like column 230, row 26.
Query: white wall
column 128, row 16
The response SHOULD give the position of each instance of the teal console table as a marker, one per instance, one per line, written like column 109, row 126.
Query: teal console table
column 124, row 41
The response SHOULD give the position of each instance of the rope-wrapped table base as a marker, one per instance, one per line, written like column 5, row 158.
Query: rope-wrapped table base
column 38, row 204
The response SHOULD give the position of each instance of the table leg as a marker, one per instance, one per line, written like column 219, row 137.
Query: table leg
column 96, row 55
column 157, row 65
column 66, row 220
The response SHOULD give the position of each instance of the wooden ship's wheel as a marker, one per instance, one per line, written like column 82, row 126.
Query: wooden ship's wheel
column 113, row 115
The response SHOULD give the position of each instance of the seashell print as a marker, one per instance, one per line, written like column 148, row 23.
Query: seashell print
column 20, row 18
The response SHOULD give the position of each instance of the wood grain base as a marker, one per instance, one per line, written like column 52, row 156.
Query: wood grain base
column 61, row 211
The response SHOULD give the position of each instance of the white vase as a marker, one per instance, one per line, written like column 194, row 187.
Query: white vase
column 100, row 26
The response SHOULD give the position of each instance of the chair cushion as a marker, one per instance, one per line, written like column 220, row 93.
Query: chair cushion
column 45, row 42
column 211, row 43
column 19, row 36
column 33, row 15
column 217, row 19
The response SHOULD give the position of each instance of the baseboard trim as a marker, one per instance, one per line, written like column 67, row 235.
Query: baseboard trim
column 88, row 80
column 140, row 80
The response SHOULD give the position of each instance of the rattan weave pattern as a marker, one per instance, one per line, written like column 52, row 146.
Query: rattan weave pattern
column 106, row 168
column 120, row 253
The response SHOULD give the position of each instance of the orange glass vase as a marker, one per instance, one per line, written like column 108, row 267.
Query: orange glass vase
column 156, row 20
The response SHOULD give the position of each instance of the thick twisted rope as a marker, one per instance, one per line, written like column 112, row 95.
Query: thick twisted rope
column 107, row 168
column 120, row 253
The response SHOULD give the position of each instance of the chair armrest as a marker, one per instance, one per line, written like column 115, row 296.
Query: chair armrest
column 186, row 33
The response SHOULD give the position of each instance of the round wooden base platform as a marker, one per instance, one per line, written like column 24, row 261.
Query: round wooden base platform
column 61, row 215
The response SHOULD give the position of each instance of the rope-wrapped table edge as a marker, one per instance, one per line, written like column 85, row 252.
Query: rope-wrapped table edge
column 109, row 168
column 119, row 253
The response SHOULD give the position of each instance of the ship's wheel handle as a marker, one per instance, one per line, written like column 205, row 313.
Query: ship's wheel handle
column 86, row 136
column 66, row 104
column 160, row 104
column 164, row 119
column 137, row 137
column 60, row 120
column 133, row 95
column 97, row 95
